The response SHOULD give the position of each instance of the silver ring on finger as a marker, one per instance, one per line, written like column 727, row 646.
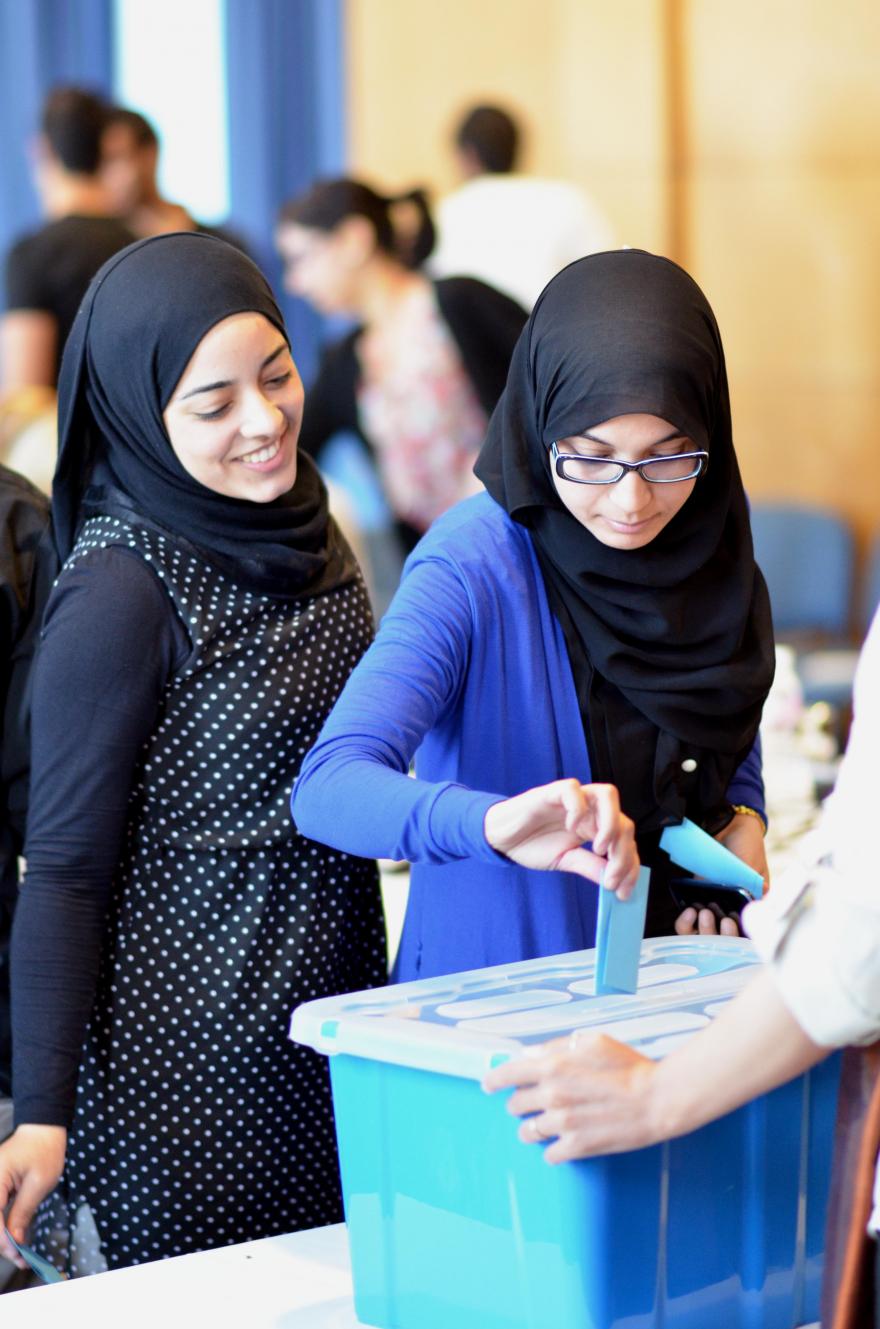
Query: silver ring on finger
column 535, row 1131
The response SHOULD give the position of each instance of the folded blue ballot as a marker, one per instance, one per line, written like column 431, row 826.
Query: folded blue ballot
column 619, row 930
column 46, row 1272
column 696, row 851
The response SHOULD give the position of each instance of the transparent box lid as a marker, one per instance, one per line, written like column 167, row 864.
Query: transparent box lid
column 462, row 1024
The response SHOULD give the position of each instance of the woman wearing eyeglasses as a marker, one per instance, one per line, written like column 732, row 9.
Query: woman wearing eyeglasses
column 597, row 615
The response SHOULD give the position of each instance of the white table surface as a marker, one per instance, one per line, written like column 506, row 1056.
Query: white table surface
column 301, row 1281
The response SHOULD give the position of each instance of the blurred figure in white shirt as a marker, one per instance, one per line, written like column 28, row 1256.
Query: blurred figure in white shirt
column 512, row 231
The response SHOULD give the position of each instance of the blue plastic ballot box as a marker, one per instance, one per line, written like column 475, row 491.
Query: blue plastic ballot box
column 454, row 1222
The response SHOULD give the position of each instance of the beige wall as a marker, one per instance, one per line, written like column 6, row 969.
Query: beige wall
column 742, row 139
column 784, row 233
column 584, row 74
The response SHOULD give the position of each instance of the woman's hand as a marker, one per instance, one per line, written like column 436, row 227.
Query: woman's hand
column 706, row 923
column 743, row 836
column 546, row 828
column 588, row 1094
column 31, row 1163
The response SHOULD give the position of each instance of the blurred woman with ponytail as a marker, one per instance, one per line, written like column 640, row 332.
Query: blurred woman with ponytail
column 419, row 376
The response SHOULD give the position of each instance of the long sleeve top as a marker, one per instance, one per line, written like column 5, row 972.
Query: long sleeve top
column 110, row 642
column 27, row 565
column 470, row 675
column 819, row 927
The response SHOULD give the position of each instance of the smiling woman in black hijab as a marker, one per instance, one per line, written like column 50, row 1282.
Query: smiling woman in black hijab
column 206, row 616
column 146, row 311
column 597, row 615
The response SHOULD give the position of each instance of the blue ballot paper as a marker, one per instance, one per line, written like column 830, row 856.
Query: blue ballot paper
column 46, row 1272
column 619, row 930
column 696, row 851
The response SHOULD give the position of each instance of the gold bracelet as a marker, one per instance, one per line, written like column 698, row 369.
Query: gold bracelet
column 750, row 812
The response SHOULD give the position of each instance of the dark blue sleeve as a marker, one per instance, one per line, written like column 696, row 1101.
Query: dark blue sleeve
column 353, row 791
column 747, row 785
column 110, row 641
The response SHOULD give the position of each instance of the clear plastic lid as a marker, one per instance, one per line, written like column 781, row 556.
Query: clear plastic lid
column 462, row 1024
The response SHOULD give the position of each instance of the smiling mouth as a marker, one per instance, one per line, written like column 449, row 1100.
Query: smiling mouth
column 629, row 525
column 261, row 455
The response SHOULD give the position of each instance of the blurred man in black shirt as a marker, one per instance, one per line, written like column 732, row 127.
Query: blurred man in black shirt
column 47, row 272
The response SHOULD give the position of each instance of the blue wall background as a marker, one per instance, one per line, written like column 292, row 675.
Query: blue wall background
column 42, row 42
column 286, row 115
column 286, row 109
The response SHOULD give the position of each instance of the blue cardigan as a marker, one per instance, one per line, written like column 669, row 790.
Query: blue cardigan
column 470, row 674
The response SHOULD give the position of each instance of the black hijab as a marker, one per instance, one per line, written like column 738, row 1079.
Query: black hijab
column 142, row 318
column 671, row 645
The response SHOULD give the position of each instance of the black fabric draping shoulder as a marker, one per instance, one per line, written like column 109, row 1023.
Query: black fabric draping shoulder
column 485, row 324
column 142, row 318
column 671, row 644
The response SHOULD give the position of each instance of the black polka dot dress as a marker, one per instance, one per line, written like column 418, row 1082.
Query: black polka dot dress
column 197, row 1122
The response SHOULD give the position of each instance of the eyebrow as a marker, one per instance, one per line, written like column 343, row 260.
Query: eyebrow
column 667, row 438
column 228, row 382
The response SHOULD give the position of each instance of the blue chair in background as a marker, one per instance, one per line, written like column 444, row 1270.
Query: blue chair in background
column 827, row 674
column 807, row 555
column 871, row 596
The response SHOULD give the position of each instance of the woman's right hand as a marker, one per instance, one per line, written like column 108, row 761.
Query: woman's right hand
column 31, row 1164
column 706, row 923
column 546, row 828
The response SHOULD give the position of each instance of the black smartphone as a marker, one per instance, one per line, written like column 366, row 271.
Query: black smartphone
column 724, row 901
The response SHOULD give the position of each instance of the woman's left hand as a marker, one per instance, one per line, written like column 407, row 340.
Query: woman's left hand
column 707, row 923
column 587, row 1094
column 744, row 836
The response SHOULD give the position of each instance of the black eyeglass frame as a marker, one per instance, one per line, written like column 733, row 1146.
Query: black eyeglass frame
column 560, row 458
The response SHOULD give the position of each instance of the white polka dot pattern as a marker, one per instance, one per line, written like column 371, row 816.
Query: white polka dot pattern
column 197, row 1122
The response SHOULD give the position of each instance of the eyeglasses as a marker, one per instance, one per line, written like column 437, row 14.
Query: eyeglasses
column 601, row 471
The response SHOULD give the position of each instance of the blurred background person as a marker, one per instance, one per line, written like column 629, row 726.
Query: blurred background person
column 47, row 271
column 513, row 231
column 129, row 174
column 419, row 375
